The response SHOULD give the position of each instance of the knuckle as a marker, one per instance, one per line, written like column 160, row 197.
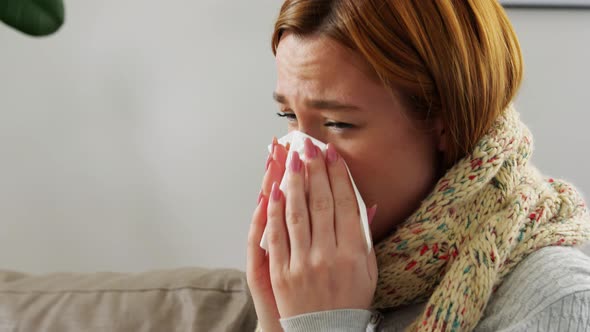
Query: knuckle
column 274, row 213
column 321, row 204
column 297, row 275
column 320, row 264
column 347, row 260
column 345, row 202
column 274, row 238
column 295, row 217
column 279, row 281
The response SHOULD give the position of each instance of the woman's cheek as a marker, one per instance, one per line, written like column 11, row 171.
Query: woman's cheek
column 364, row 176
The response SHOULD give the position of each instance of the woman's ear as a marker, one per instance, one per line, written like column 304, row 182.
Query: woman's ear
column 441, row 135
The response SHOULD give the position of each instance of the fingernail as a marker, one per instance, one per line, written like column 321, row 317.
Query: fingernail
column 275, row 142
column 268, row 161
column 296, row 163
column 260, row 196
column 331, row 154
column 371, row 212
column 276, row 192
column 310, row 151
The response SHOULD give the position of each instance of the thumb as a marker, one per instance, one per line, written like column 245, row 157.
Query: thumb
column 371, row 212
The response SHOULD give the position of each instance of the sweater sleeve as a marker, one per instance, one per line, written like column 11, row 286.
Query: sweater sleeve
column 549, row 291
column 345, row 320
column 569, row 314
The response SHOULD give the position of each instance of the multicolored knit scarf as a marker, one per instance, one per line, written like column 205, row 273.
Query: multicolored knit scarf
column 487, row 213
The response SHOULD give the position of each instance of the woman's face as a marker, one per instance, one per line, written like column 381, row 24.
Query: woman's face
column 327, row 92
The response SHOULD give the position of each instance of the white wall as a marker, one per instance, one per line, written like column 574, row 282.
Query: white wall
column 135, row 138
column 555, row 97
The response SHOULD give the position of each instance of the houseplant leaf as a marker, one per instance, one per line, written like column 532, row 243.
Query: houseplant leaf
column 33, row 17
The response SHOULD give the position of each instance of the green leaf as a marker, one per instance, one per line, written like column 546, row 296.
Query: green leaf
column 33, row 17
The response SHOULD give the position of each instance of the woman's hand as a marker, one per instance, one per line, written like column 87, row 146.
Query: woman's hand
column 317, row 253
column 258, row 272
column 318, row 258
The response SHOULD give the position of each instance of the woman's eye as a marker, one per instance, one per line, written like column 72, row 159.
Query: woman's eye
column 289, row 116
column 339, row 125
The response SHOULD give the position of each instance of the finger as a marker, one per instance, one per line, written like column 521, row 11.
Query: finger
column 274, row 173
column 275, row 168
column 348, row 226
column 280, row 155
column 278, row 242
column 272, row 151
column 256, row 255
column 297, row 216
column 321, row 202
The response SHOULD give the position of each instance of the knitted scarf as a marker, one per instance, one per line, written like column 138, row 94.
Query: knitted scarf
column 485, row 215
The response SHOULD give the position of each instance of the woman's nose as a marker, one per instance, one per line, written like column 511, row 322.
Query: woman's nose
column 317, row 134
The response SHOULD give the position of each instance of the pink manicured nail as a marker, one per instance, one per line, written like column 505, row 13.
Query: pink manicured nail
column 260, row 196
column 371, row 212
column 276, row 192
column 268, row 161
column 331, row 154
column 310, row 150
column 296, row 163
column 274, row 144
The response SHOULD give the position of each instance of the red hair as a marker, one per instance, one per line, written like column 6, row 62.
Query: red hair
column 459, row 60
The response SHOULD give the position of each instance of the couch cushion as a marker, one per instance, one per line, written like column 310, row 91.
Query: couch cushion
column 191, row 299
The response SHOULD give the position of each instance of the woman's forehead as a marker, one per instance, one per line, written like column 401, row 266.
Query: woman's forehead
column 318, row 64
column 313, row 56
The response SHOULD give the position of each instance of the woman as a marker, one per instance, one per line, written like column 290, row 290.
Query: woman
column 415, row 97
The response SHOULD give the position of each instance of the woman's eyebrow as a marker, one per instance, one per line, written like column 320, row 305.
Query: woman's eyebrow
column 319, row 104
column 279, row 98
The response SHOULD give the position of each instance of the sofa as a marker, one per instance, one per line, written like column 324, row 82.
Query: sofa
column 179, row 300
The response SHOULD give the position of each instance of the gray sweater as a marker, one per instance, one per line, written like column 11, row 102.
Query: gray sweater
column 547, row 291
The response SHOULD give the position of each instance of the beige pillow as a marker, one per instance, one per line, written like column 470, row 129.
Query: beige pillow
column 191, row 299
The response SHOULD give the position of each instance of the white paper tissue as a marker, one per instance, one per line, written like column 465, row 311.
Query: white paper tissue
column 296, row 140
